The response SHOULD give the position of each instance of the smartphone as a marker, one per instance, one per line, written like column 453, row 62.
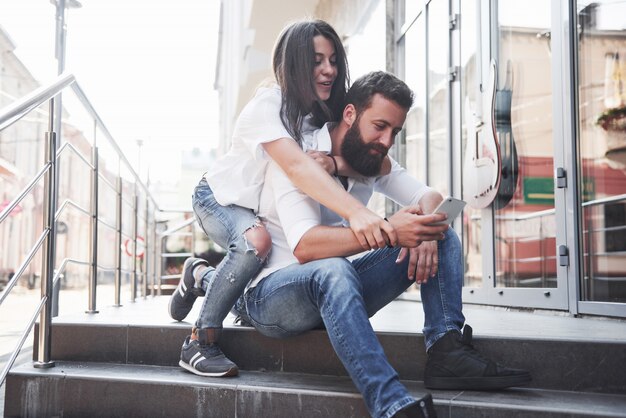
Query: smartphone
column 451, row 207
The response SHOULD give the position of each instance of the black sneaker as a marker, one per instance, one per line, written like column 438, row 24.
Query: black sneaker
column 423, row 408
column 206, row 360
column 186, row 293
column 453, row 363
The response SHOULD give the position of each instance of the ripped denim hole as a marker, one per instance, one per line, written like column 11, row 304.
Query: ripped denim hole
column 249, row 246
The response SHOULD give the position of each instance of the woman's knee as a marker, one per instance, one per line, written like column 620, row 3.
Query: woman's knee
column 258, row 238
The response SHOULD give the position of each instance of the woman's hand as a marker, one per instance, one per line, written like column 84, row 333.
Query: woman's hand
column 371, row 230
column 324, row 160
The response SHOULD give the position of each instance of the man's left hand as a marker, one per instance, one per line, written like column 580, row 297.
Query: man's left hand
column 423, row 261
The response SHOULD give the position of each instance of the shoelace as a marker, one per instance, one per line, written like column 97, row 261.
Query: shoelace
column 210, row 350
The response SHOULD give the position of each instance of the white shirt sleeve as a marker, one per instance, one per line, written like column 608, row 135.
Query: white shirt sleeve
column 400, row 186
column 297, row 212
column 259, row 122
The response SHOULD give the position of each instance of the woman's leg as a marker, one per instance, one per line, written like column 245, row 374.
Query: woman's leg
column 247, row 245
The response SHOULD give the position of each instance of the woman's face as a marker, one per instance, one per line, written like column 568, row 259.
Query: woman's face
column 325, row 70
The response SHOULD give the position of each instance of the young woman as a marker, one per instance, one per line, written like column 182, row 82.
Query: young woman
column 310, row 67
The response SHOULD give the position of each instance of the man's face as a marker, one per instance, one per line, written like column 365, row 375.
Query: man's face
column 373, row 132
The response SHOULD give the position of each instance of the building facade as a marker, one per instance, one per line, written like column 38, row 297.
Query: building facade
column 531, row 93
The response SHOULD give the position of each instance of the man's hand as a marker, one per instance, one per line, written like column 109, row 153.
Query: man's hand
column 423, row 261
column 324, row 160
column 413, row 227
column 371, row 230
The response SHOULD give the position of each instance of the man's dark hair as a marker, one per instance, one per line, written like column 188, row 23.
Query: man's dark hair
column 293, row 64
column 387, row 85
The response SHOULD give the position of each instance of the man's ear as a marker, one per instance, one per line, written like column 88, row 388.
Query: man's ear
column 349, row 114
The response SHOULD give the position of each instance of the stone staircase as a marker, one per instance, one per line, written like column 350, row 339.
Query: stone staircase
column 123, row 362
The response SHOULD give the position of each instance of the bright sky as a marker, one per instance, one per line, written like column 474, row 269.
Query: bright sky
column 147, row 66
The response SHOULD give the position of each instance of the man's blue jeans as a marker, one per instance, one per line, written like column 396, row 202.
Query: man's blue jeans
column 342, row 295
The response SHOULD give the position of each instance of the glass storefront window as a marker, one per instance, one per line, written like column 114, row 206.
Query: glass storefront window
column 472, row 234
column 602, row 110
column 525, row 227
column 408, row 10
column 415, row 77
column 438, row 136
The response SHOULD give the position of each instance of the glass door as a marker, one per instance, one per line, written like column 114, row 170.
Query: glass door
column 520, row 268
column 602, row 154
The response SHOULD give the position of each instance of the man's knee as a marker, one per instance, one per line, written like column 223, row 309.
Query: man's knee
column 259, row 239
column 452, row 240
column 337, row 273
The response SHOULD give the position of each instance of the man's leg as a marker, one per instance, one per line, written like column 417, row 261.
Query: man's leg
column 452, row 361
column 384, row 280
column 301, row 297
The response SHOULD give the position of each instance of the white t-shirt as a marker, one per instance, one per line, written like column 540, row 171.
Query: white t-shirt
column 289, row 213
column 237, row 177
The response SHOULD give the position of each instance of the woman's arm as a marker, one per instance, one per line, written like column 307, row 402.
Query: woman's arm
column 371, row 230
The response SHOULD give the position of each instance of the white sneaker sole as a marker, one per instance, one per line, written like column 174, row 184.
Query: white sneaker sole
column 233, row 371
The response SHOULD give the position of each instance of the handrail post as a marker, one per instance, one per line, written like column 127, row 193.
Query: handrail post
column 93, row 250
column 146, row 258
column 160, row 264
column 154, row 254
column 193, row 239
column 133, row 283
column 47, row 265
column 118, row 241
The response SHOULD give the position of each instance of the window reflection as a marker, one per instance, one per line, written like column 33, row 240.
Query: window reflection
column 472, row 232
column 525, row 226
column 602, row 110
column 438, row 145
column 416, row 79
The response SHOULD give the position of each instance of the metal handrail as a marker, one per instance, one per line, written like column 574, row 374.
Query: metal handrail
column 177, row 227
column 92, row 111
column 16, row 201
column 20, row 343
column 552, row 211
column 5, row 293
column 547, row 212
column 77, row 152
column 18, row 110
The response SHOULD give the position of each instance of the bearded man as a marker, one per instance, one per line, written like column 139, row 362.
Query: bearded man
column 309, row 282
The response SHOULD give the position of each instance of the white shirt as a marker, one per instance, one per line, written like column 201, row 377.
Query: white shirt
column 237, row 177
column 289, row 213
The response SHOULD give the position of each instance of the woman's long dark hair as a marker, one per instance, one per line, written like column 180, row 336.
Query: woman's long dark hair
column 294, row 62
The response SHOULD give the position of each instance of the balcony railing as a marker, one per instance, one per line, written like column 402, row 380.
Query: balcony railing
column 129, row 221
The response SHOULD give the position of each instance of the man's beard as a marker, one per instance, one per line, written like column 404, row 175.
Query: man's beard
column 357, row 153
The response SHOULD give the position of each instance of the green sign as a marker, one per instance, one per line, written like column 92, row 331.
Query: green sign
column 540, row 190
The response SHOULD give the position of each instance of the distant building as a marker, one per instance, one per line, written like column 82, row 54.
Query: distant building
column 21, row 157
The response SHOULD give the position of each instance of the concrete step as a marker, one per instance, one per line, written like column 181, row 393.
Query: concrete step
column 558, row 364
column 99, row 389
